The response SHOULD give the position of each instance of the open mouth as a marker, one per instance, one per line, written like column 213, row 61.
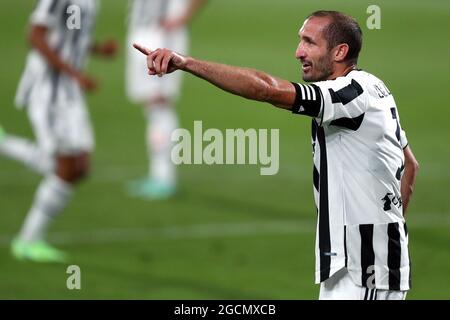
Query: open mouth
column 306, row 66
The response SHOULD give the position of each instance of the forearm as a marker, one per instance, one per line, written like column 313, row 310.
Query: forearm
column 407, row 187
column 244, row 82
column 409, row 179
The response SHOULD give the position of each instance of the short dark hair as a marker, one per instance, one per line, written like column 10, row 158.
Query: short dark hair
column 342, row 29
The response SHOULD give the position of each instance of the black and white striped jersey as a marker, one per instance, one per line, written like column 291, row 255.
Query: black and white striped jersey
column 149, row 13
column 70, row 24
column 358, row 163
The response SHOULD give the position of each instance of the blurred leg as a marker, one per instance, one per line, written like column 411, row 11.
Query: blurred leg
column 161, row 122
column 51, row 198
column 28, row 153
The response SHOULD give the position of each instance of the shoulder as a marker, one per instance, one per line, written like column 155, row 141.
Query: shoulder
column 364, row 81
column 374, row 85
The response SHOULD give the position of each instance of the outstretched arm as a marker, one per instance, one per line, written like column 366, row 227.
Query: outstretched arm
column 248, row 83
column 409, row 177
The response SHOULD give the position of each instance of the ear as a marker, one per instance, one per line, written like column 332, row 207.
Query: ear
column 340, row 52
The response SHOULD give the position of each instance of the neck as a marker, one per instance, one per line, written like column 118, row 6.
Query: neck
column 341, row 71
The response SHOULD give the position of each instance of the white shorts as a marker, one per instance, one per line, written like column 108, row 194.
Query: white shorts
column 340, row 286
column 61, row 126
column 140, row 86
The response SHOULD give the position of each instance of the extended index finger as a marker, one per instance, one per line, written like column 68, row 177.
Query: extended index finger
column 142, row 49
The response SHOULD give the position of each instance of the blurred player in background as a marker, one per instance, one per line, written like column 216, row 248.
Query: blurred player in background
column 157, row 23
column 51, row 90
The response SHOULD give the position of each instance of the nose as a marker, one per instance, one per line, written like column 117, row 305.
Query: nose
column 300, row 52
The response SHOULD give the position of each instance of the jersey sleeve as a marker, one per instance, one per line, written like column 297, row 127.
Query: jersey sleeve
column 308, row 100
column 403, row 139
column 341, row 102
column 46, row 13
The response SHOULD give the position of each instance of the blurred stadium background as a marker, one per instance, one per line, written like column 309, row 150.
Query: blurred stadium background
column 231, row 233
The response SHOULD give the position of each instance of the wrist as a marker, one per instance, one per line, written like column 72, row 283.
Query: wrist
column 189, row 65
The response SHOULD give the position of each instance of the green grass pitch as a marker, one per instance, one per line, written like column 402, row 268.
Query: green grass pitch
column 231, row 233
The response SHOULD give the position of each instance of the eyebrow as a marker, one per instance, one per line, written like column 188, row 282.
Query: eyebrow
column 307, row 39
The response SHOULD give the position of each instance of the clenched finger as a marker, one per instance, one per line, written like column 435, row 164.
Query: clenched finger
column 157, row 62
column 165, row 62
column 151, row 60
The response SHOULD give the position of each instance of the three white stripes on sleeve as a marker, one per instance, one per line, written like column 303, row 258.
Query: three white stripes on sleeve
column 308, row 92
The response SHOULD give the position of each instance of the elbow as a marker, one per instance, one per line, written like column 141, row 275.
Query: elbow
column 259, row 91
column 36, row 35
column 267, row 90
column 411, row 162
column 31, row 38
column 265, row 94
column 415, row 167
column 34, row 39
